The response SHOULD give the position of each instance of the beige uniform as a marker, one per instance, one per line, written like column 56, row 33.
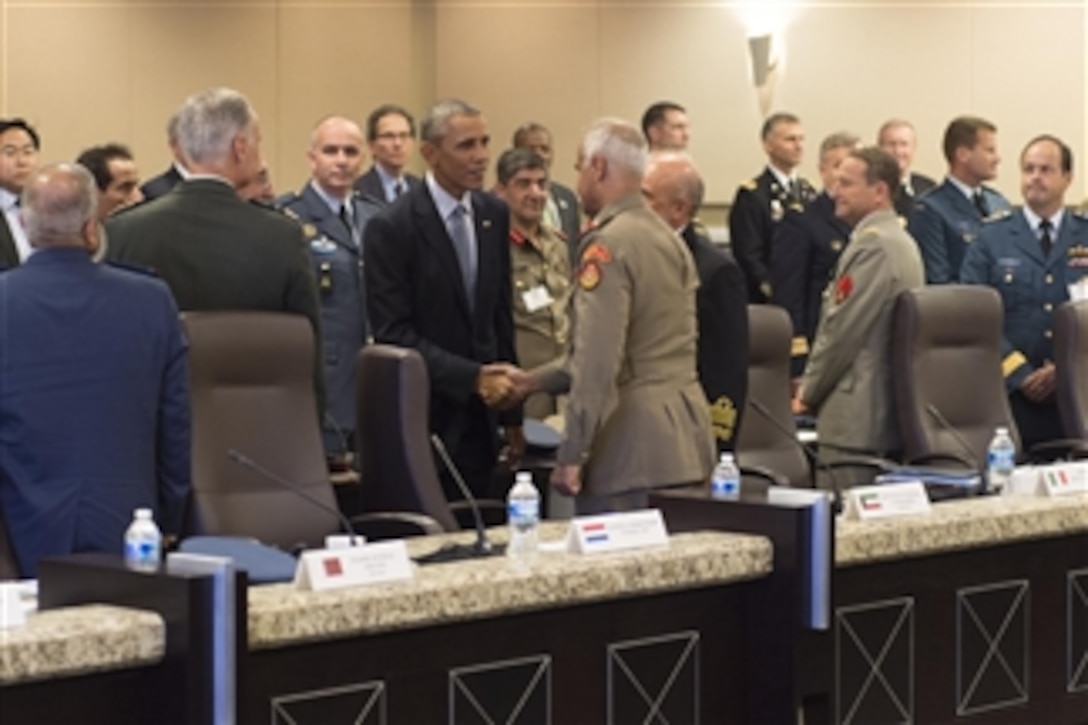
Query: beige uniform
column 637, row 417
column 540, row 267
column 847, row 379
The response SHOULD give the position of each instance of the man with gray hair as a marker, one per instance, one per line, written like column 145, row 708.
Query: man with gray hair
column 437, row 268
column 94, row 418
column 637, row 418
column 214, row 250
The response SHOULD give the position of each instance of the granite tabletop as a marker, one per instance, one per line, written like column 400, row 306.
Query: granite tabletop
column 480, row 588
column 80, row 640
column 963, row 524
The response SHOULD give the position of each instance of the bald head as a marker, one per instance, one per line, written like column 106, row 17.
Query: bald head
column 336, row 155
column 58, row 207
column 673, row 188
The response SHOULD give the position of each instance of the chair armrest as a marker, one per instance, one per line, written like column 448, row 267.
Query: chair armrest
column 765, row 474
column 1058, row 448
column 937, row 457
column 883, row 465
column 395, row 525
column 492, row 511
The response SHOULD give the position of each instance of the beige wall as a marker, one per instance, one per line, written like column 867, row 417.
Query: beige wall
column 87, row 71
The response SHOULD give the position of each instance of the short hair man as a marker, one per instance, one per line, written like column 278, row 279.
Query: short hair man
column 179, row 168
column 89, row 431
column 438, row 280
column 637, row 417
column 761, row 203
column 896, row 136
column 673, row 188
column 1027, row 256
column 19, row 149
column 333, row 217
column 561, row 209
column 214, row 250
column 391, row 134
column 115, row 175
column 804, row 249
column 665, row 125
column 853, row 340
column 540, row 264
column 259, row 190
column 947, row 219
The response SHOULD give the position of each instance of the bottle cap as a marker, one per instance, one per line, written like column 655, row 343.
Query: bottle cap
column 523, row 477
column 143, row 513
column 1002, row 430
column 725, row 457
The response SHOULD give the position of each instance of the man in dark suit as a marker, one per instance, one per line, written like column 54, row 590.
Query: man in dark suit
column 804, row 250
column 673, row 188
column 896, row 137
column 761, row 203
column 19, row 147
column 163, row 183
column 215, row 251
column 391, row 134
column 947, row 220
column 94, row 419
column 438, row 280
column 333, row 217
column 561, row 209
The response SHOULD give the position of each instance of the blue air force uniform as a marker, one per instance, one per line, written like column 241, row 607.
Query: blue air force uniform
column 1008, row 256
column 336, row 253
column 945, row 222
column 804, row 250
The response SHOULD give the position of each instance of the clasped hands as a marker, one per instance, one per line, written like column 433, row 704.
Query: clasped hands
column 1038, row 386
column 502, row 385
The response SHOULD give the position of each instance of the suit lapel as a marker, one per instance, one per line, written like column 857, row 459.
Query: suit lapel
column 327, row 223
column 435, row 235
column 9, row 254
column 487, row 246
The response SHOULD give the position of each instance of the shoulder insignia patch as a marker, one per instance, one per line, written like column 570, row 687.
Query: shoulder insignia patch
column 750, row 185
column 596, row 252
column 843, row 288
column 997, row 216
column 589, row 276
column 309, row 230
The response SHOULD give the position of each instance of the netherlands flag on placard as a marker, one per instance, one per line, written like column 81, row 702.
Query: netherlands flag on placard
column 594, row 533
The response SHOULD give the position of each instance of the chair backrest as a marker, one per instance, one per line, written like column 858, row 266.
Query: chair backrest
column 1071, row 367
column 251, row 386
column 946, row 362
column 9, row 568
column 759, row 442
column 393, row 432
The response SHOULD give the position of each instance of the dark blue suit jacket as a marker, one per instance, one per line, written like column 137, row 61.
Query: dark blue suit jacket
column 944, row 222
column 94, row 406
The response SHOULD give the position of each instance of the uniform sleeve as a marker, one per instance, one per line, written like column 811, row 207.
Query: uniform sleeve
column 927, row 228
column 302, row 299
column 978, row 265
column 791, row 262
column 723, row 351
column 746, row 239
column 173, row 438
column 857, row 300
column 602, row 306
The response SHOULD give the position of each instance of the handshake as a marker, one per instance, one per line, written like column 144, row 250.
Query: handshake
column 502, row 385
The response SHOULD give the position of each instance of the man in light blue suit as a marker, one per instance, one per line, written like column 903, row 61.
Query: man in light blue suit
column 94, row 400
column 1034, row 257
column 946, row 221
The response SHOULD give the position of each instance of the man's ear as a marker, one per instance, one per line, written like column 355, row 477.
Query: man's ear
column 92, row 234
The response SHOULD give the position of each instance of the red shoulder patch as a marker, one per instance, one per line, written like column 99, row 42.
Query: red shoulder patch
column 596, row 252
column 843, row 288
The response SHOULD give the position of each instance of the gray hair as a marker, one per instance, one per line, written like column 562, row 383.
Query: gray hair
column 57, row 203
column 436, row 122
column 209, row 121
column 618, row 142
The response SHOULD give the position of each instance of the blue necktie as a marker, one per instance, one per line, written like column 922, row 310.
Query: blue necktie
column 466, row 250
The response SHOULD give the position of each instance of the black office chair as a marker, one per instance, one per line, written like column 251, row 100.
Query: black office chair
column 9, row 568
column 1071, row 368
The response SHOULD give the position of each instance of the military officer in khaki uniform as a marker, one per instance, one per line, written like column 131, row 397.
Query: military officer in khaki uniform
column 540, row 266
column 637, row 417
column 847, row 381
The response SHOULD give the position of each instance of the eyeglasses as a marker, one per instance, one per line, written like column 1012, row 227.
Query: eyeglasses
column 392, row 136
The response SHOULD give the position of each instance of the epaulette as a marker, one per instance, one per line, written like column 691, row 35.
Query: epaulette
column 750, row 185
column 137, row 268
column 1080, row 212
column 997, row 216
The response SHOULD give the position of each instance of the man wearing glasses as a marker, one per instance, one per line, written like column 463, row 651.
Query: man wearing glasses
column 391, row 134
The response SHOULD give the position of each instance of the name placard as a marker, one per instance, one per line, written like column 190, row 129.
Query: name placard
column 12, row 610
column 376, row 563
column 617, row 532
column 1063, row 479
column 866, row 503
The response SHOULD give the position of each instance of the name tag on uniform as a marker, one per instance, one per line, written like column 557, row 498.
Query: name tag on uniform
column 536, row 298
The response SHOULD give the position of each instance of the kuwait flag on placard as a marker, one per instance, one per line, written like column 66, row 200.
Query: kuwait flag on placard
column 870, row 502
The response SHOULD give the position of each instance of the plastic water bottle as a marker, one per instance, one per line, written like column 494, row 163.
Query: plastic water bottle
column 143, row 542
column 523, row 515
column 1000, row 462
column 725, row 482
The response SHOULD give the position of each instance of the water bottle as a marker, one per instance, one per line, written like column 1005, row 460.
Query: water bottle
column 143, row 542
column 523, row 515
column 1000, row 462
column 725, row 482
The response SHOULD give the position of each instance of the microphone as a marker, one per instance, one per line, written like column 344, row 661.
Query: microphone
column 247, row 462
column 483, row 546
column 812, row 455
column 936, row 414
